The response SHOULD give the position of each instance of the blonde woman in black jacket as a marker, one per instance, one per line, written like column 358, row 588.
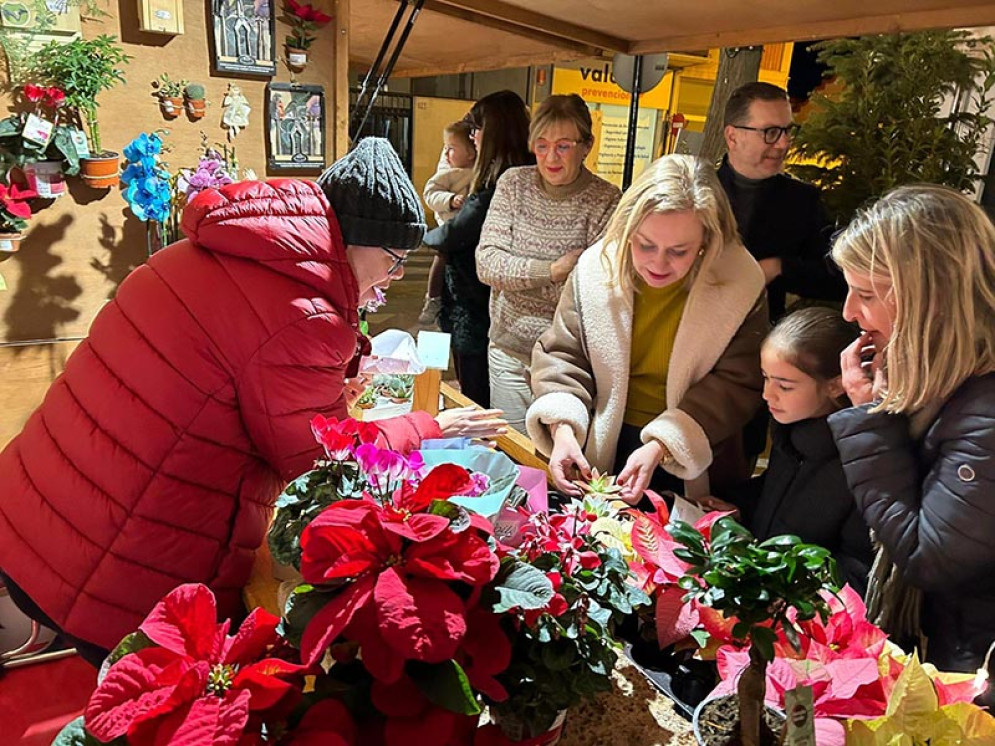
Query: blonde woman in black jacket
column 918, row 445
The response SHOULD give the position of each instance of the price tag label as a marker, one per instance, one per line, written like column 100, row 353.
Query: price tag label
column 79, row 140
column 37, row 130
column 801, row 717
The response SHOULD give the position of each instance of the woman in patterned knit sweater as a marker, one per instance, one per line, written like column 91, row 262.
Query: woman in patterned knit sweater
column 652, row 365
column 541, row 218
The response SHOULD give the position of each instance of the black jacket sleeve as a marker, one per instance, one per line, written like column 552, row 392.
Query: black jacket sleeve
column 461, row 235
column 936, row 519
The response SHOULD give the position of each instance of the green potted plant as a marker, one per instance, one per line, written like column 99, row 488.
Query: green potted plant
column 768, row 587
column 14, row 214
column 196, row 100
column 170, row 95
column 83, row 69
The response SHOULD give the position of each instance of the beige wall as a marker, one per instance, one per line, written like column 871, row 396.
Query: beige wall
column 430, row 116
column 79, row 247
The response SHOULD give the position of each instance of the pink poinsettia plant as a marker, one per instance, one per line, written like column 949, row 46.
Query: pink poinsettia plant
column 848, row 662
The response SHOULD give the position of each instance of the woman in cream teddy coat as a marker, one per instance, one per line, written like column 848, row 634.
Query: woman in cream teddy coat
column 673, row 229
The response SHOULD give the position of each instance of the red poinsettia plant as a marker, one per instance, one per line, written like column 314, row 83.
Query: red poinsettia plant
column 303, row 19
column 14, row 208
column 657, row 570
column 182, row 679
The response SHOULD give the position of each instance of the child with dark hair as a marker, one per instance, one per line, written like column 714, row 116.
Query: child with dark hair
column 445, row 193
column 804, row 491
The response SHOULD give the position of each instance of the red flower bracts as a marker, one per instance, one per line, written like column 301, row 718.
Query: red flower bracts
column 197, row 686
column 399, row 565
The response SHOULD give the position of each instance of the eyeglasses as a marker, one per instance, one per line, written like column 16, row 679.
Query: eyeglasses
column 772, row 134
column 563, row 147
column 399, row 260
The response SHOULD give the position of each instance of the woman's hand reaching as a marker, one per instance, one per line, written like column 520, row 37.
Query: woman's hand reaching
column 470, row 422
column 635, row 477
column 566, row 459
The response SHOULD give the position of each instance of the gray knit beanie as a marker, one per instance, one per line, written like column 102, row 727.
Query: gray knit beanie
column 373, row 198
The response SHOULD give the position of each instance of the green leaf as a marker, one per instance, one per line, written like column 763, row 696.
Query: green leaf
column 131, row 644
column 559, row 656
column 74, row 734
column 520, row 585
column 302, row 605
column 459, row 517
column 446, row 685
column 764, row 638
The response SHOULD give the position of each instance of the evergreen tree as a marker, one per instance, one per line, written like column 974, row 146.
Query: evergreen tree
column 889, row 122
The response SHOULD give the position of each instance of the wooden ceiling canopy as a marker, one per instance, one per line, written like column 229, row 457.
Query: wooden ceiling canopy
column 452, row 36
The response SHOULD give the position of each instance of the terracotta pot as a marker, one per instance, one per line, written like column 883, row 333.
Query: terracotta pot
column 171, row 107
column 45, row 178
column 196, row 107
column 101, row 172
column 297, row 58
column 10, row 242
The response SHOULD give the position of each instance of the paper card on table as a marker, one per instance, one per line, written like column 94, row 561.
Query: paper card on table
column 37, row 130
column 685, row 510
column 433, row 349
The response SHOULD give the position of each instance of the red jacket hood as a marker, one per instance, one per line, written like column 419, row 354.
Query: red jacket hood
column 286, row 224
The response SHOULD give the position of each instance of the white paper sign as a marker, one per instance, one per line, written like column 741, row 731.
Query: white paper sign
column 799, row 709
column 79, row 140
column 37, row 130
column 433, row 349
column 685, row 510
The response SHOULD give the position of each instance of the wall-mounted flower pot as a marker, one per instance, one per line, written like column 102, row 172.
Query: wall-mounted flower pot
column 45, row 178
column 10, row 242
column 101, row 172
column 297, row 58
column 171, row 107
column 196, row 108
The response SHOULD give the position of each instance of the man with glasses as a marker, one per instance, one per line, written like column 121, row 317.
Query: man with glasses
column 782, row 220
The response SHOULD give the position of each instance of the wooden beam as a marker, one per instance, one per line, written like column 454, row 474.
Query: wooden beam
column 340, row 134
column 452, row 67
column 959, row 17
column 527, row 19
column 543, row 37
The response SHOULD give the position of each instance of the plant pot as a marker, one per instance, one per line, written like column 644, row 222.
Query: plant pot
column 517, row 732
column 196, row 108
column 101, row 172
column 297, row 58
column 45, row 178
column 716, row 722
column 171, row 107
column 678, row 674
column 10, row 242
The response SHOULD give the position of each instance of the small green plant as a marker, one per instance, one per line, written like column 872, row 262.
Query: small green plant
column 601, row 485
column 83, row 68
column 368, row 399
column 195, row 92
column 166, row 87
column 768, row 586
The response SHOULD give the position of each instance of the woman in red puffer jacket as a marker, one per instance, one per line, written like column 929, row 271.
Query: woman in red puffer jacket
column 156, row 456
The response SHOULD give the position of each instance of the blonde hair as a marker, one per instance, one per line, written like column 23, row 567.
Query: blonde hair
column 673, row 183
column 937, row 249
column 569, row 109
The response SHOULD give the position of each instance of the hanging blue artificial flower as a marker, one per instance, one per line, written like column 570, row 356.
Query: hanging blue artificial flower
column 149, row 193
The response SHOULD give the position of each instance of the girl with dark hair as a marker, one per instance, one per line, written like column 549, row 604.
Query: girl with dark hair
column 500, row 130
column 804, row 491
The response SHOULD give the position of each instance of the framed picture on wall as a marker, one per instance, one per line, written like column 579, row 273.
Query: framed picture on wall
column 244, row 36
column 296, row 127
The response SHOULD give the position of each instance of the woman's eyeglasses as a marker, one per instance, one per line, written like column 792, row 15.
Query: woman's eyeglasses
column 772, row 134
column 563, row 148
column 399, row 260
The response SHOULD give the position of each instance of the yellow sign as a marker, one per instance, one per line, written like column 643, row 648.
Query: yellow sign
column 594, row 82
